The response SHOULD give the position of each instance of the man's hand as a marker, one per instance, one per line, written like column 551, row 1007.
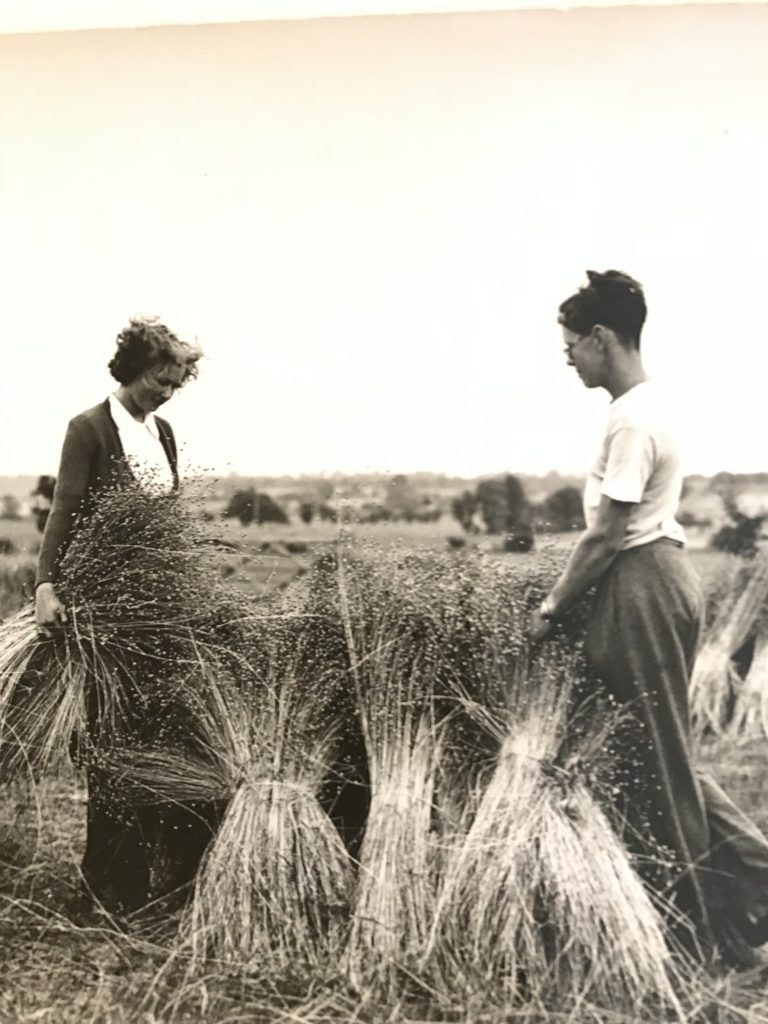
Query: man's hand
column 50, row 613
column 539, row 628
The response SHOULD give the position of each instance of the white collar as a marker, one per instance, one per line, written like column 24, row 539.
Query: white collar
column 123, row 418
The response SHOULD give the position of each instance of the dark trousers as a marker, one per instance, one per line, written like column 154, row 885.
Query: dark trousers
column 641, row 642
column 137, row 854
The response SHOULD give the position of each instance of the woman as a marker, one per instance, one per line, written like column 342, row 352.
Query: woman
column 132, row 855
column 643, row 632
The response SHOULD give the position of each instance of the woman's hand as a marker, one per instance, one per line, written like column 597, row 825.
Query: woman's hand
column 50, row 613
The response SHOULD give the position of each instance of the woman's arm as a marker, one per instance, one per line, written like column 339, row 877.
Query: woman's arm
column 72, row 481
column 595, row 550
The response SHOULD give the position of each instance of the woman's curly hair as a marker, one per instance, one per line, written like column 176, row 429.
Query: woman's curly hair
column 147, row 342
column 612, row 299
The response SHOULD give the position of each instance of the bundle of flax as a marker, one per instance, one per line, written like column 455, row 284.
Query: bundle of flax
column 538, row 904
column 714, row 680
column 272, row 892
column 750, row 709
column 25, row 730
column 393, row 676
column 142, row 610
column 42, row 694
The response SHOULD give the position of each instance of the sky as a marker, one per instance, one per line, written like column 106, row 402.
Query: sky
column 368, row 224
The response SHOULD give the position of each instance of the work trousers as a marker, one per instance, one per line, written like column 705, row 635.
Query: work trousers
column 688, row 838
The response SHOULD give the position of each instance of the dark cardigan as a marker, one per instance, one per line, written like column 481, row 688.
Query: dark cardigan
column 92, row 458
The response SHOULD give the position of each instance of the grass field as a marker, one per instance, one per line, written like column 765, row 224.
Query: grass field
column 57, row 966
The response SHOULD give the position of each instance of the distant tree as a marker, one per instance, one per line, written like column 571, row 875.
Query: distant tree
column 505, row 510
column 251, row 507
column 10, row 507
column 503, row 504
column 402, row 499
column 267, row 510
column 327, row 513
column 307, row 512
column 517, row 503
column 491, row 499
column 463, row 509
column 374, row 512
column 242, row 506
column 563, row 509
column 740, row 536
column 723, row 483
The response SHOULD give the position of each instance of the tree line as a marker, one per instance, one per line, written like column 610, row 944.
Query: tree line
column 496, row 506
column 500, row 506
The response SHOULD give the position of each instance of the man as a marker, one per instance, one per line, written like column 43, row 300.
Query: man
column 644, row 627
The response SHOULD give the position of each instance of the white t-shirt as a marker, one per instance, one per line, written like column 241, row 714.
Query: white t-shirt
column 639, row 462
column 143, row 448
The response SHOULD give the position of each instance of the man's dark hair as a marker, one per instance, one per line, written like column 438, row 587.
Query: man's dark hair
column 612, row 300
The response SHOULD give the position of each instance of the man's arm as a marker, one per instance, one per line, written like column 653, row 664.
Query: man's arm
column 594, row 551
